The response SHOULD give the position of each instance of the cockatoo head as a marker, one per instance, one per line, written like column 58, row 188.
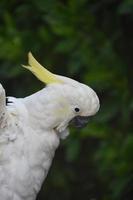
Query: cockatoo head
column 69, row 101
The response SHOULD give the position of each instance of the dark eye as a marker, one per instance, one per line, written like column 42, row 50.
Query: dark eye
column 77, row 109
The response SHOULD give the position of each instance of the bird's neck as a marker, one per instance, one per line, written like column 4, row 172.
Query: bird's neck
column 39, row 107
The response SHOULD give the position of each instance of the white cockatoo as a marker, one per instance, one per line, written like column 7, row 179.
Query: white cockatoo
column 31, row 129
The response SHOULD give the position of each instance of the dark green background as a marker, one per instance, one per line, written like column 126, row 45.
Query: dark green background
column 90, row 41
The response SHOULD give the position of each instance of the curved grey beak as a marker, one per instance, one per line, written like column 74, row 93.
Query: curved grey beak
column 79, row 121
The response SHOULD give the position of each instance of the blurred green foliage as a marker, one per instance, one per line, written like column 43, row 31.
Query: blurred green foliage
column 90, row 41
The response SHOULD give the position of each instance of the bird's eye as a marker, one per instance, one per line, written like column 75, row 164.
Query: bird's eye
column 77, row 109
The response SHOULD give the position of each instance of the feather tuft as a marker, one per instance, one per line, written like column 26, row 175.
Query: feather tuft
column 40, row 72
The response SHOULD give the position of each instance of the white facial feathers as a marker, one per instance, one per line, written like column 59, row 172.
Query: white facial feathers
column 74, row 96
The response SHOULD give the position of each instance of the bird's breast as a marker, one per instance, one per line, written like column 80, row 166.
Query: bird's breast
column 26, row 162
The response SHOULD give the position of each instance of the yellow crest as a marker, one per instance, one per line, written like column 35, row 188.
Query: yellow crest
column 40, row 72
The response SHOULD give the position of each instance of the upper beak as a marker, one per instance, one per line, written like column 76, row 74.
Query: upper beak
column 80, row 121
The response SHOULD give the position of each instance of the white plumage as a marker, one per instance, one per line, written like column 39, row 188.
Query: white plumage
column 30, row 132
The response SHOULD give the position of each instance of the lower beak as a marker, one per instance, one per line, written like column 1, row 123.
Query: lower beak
column 79, row 121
